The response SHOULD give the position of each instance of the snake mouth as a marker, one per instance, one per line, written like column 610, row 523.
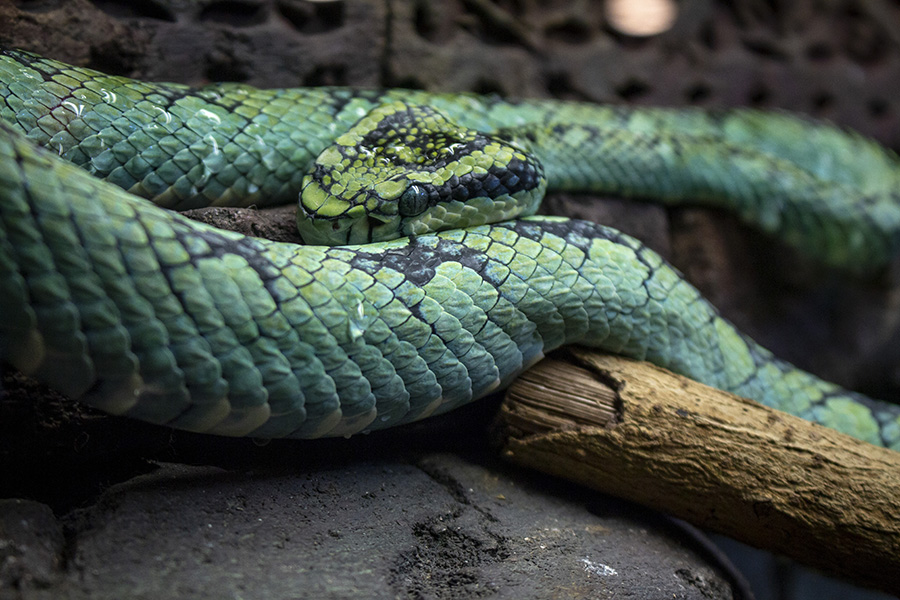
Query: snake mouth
column 373, row 228
column 343, row 231
column 319, row 232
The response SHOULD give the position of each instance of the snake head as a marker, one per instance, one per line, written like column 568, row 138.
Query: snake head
column 406, row 170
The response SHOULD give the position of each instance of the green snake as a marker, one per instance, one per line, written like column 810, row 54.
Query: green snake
column 138, row 311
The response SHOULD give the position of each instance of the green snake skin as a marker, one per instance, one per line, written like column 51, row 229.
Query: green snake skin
column 139, row 311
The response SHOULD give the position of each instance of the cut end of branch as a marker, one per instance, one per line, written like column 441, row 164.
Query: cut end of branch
column 559, row 396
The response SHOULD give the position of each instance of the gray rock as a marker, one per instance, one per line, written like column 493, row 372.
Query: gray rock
column 439, row 527
column 31, row 545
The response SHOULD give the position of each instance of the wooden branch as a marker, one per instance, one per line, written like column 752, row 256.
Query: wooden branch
column 731, row 465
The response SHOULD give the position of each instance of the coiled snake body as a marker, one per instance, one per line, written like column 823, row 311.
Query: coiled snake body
column 139, row 311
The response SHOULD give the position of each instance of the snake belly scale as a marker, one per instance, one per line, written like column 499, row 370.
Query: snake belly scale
column 139, row 311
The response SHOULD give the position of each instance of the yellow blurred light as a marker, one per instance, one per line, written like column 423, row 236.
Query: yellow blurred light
column 641, row 17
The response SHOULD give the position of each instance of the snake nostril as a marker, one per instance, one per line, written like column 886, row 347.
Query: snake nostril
column 335, row 226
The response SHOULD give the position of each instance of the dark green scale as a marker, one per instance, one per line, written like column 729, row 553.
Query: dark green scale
column 141, row 312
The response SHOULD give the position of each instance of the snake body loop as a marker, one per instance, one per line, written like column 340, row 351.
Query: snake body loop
column 139, row 311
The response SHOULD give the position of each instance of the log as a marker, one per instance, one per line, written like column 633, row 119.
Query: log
column 721, row 462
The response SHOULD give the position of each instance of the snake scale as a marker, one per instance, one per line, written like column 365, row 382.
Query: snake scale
column 138, row 311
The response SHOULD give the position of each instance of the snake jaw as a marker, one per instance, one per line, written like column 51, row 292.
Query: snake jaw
column 372, row 227
column 362, row 230
column 353, row 226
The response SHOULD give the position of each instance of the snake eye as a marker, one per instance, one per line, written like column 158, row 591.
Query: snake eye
column 413, row 202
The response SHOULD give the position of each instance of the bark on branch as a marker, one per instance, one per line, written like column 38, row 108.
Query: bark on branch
column 721, row 462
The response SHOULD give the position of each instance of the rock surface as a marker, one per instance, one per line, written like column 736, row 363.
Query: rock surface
column 437, row 527
column 425, row 511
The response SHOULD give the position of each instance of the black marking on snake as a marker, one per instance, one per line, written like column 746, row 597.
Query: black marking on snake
column 581, row 234
column 496, row 182
column 416, row 311
column 248, row 248
column 577, row 233
column 341, row 97
column 418, row 261
column 499, row 180
column 397, row 126
column 170, row 94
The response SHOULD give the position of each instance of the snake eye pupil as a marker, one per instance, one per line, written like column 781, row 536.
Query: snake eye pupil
column 413, row 202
